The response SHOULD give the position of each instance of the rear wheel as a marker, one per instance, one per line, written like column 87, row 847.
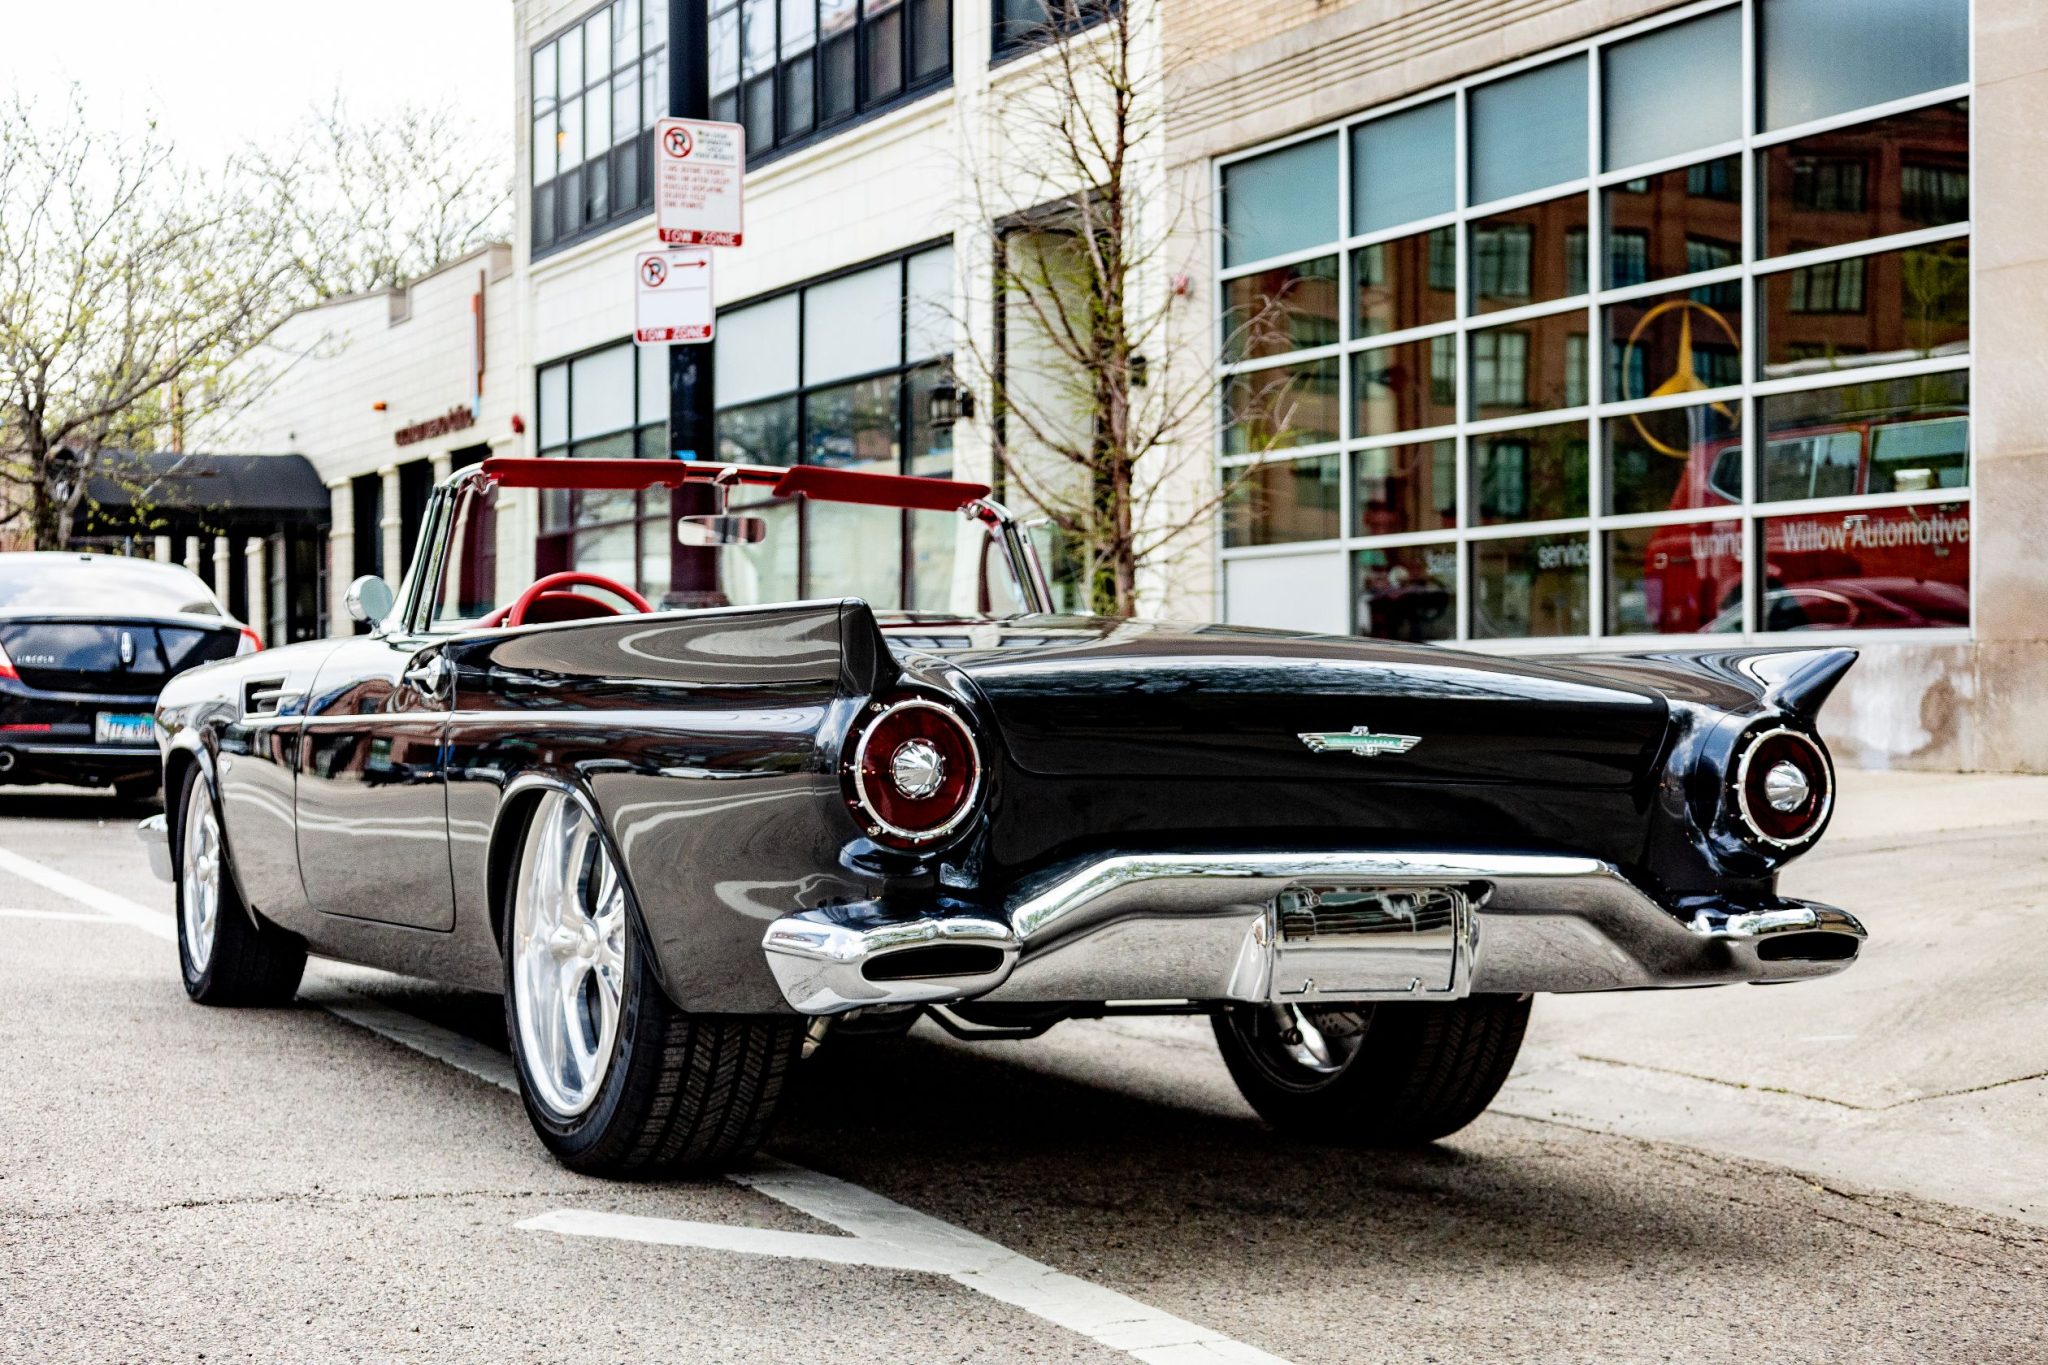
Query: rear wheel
column 229, row 955
column 1385, row 1075
column 616, row 1079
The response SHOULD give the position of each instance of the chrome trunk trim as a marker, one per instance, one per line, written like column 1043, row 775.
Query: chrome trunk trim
column 1206, row 927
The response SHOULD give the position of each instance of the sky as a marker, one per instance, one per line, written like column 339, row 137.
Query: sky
column 219, row 74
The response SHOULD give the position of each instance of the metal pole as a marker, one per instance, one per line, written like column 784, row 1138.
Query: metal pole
column 691, row 430
column 692, row 427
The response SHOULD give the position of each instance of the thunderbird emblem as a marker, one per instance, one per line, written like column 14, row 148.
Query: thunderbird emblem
column 1360, row 740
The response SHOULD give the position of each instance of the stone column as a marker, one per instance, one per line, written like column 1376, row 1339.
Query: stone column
column 192, row 553
column 163, row 549
column 341, row 556
column 223, row 567
column 254, row 560
column 444, row 465
column 394, row 546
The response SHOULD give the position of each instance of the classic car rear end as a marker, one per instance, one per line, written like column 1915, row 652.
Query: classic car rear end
column 86, row 643
column 689, row 846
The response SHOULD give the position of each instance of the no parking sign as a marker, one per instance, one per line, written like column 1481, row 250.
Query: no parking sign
column 672, row 296
column 699, row 168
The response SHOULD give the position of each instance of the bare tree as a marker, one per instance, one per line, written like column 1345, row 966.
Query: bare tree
column 127, row 286
column 1101, row 394
column 374, row 202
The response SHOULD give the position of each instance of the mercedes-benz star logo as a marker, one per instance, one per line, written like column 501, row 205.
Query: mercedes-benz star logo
column 1360, row 740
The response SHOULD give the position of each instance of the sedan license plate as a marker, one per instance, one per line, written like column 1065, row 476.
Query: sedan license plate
column 123, row 727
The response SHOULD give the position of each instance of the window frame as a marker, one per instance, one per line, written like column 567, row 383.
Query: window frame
column 1007, row 44
column 1748, row 274
column 652, row 55
column 865, row 105
column 802, row 393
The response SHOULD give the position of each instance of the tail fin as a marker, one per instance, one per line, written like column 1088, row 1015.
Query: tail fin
column 1801, row 680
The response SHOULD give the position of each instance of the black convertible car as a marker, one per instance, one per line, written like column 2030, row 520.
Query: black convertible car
column 689, row 844
column 86, row 643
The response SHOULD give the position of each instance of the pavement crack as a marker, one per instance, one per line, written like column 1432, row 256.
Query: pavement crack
column 1740, row 1085
column 1803, row 1095
column 322, row 1199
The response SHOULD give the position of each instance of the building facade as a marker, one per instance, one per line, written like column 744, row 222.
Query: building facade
column 385, row 393
column 1596, row 326
column 1534, row 325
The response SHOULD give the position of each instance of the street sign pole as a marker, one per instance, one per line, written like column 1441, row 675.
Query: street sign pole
column 691, row 428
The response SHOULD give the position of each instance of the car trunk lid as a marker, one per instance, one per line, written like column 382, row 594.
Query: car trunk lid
column 128, row 658
column 1121, row 699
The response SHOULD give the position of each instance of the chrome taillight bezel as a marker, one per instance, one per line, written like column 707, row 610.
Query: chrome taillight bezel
column 1751, row 828
column 863, row 803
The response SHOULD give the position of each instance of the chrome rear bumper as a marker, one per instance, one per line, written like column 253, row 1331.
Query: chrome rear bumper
column 1305, row 927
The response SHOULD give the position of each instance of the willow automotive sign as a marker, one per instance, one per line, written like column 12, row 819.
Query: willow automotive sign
column 457, row 418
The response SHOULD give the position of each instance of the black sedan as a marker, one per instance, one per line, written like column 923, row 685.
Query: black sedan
column 86, row 644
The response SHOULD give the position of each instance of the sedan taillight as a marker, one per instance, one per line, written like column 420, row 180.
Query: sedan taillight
column 7, row 666
column 912, row 770
column 251, row 642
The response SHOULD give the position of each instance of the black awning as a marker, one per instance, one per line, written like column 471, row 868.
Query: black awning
column 193, row 494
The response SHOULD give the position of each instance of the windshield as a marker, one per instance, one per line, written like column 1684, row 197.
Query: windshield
column 897, row 561
column 100, row 585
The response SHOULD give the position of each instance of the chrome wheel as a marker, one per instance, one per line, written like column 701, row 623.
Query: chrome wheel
column 199, row 877
column 1303, row 1046
column 569, row 955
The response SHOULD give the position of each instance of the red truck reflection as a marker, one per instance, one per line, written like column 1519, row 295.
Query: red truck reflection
column 1863, row 569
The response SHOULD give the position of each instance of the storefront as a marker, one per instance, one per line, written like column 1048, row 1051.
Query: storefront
column 1665, row 333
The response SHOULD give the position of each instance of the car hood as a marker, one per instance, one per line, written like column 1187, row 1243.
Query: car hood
column 1079, row 696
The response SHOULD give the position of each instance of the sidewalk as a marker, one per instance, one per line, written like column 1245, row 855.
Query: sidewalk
column 1924, row 1068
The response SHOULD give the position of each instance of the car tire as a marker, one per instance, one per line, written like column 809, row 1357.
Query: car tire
column 1380, row 1075
column 618, row 1081
column 227, row 954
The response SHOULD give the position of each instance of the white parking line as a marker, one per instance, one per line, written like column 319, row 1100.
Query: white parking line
column 75, row 917
column 882, row 1232
column 91, row 897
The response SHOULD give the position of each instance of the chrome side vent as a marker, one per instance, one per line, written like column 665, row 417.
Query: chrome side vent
column 262, row 698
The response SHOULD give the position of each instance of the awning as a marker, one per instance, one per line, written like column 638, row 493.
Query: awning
column 189, row 494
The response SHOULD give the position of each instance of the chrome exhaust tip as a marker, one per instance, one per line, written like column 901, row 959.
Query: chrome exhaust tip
column 829, row 968
column 7, row 760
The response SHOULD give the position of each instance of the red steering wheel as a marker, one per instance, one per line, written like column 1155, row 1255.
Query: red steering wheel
column 515, row 615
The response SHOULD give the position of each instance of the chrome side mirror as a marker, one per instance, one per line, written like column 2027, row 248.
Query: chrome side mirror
column 721, row 530
column 370, row 599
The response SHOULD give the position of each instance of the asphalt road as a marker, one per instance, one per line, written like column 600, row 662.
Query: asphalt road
column 179, row 1183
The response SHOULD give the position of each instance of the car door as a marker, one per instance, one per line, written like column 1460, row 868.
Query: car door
column 372, row 795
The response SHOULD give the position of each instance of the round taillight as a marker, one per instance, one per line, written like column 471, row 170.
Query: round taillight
column 915, row 771
column 1783, row 787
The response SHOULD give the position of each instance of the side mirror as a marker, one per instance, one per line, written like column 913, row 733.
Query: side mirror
column 370, row 599
column 721, row 530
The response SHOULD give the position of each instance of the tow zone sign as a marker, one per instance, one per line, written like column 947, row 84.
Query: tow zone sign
column 672, row 296
column 699, row 169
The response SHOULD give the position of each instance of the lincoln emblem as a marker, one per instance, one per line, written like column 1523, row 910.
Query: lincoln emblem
column 1360, row 740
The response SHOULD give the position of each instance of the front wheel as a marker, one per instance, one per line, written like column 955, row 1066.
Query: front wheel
column 229, row 955
column 616, row 1079
column 1385, row 1075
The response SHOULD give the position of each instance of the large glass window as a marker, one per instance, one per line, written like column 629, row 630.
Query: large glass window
column 597, row 88
column 793, row 69
column 607, row 404
column 1665, row 333
column 843, row 373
